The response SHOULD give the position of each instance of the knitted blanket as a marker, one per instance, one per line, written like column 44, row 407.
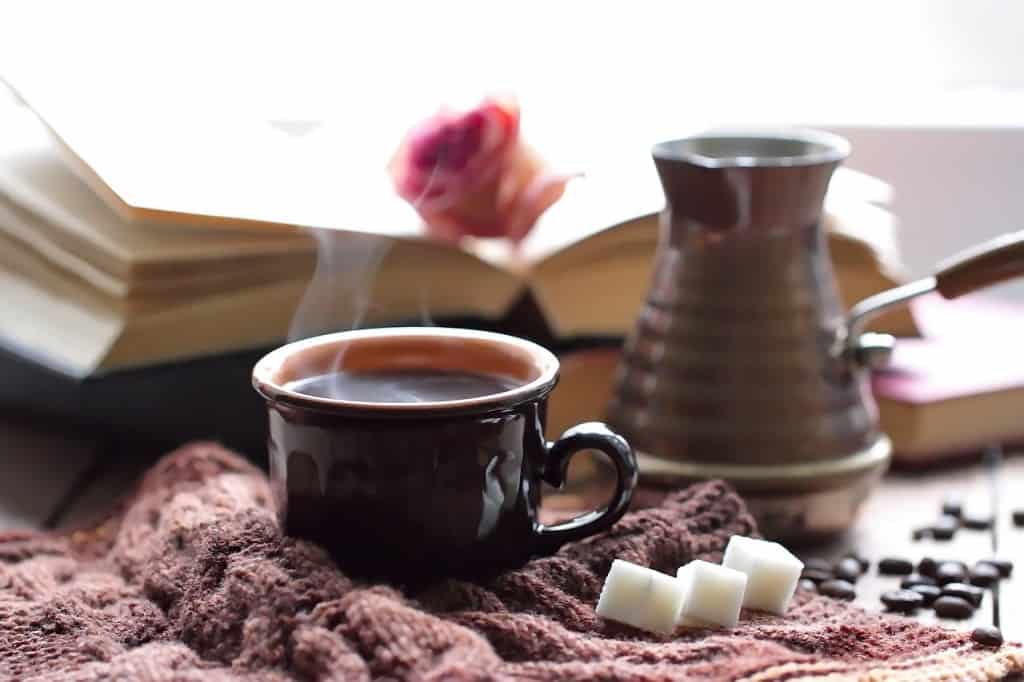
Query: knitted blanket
column 190, row 579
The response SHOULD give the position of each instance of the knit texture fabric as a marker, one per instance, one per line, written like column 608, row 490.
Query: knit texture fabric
column 190, row 579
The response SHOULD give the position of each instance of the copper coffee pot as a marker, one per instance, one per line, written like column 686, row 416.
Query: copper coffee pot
column 743, row 365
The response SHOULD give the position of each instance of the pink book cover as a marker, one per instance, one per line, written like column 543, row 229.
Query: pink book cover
column 970, row 346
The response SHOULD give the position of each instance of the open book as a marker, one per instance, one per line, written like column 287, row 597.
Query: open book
column 959, row 389
column 103, row 268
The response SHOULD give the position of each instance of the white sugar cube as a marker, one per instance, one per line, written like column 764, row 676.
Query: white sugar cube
column 641, row 597
column 772, row 572
column 713, row 594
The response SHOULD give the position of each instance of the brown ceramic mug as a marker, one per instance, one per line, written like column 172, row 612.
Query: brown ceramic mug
column 416, row 490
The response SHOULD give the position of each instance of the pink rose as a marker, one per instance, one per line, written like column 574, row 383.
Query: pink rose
column 470, row 174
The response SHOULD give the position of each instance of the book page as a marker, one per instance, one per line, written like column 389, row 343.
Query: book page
column 33, row 175
column 44, row 339
column 311, row 174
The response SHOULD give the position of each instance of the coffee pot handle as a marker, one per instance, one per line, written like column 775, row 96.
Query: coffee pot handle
column 988, row 263
column 589, row 436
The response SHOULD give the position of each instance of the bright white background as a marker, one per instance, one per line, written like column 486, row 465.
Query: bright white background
column 831, row 60
column 930, row 92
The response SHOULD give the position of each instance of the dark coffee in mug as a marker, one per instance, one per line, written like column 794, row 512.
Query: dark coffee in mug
column 419, row 453
column 404, row 386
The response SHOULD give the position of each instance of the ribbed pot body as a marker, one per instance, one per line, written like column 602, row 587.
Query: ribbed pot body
column 731, row 360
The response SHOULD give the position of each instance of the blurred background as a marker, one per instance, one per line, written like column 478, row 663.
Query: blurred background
column 931, row 93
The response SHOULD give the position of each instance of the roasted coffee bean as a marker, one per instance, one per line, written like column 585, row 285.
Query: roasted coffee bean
column 950, row 572
column 984, row 575
column 1018, row 517
column 987, row 635
column 816, row 564
column 955, row 562
column 838, row 589
column 927, row 566
column 808, row 585
column 952, row 607
column 816, row 576
column 976, row 521
column 916, row 579
column 849, row 569
column 864, row 562
column 903, row 601
column 1004, row 566
column 920, row 534
column 895, row 566
column 945, row 527
column 928, row 592
column 953, row 506
column 964, row 591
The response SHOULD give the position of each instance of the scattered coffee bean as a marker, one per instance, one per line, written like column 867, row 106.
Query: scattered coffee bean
column 963, row 591
column 987, row 635
column 984, row 575
column 922, row 533
column 927, row 566
column 928, row 592
column 903, row 601
column 952, row 607
column 808, row 585
column 849, row 569
column 895, row 566
column 953, row 506
column 1018, row 517
column 916, row 579
column 977, row 521
column 816, row 576
column 1004, row 566
column 816, row 564
column 838, row 589
column 950, row 572
column 945, row 527
column 864, row 562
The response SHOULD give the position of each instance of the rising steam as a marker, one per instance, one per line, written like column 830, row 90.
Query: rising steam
column 339, row 295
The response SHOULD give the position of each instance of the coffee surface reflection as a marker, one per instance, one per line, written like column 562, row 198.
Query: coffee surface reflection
column 403, row 386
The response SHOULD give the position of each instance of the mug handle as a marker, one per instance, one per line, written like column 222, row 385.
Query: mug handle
column 588, row 436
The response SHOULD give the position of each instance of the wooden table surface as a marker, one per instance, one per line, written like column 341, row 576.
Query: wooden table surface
column 49, row 481
column 992, row 485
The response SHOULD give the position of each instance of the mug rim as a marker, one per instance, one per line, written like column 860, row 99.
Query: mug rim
column 544, row 361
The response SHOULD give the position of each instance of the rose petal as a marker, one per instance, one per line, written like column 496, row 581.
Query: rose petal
column 469, row 174
column 452, row 154
column 538, row 197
